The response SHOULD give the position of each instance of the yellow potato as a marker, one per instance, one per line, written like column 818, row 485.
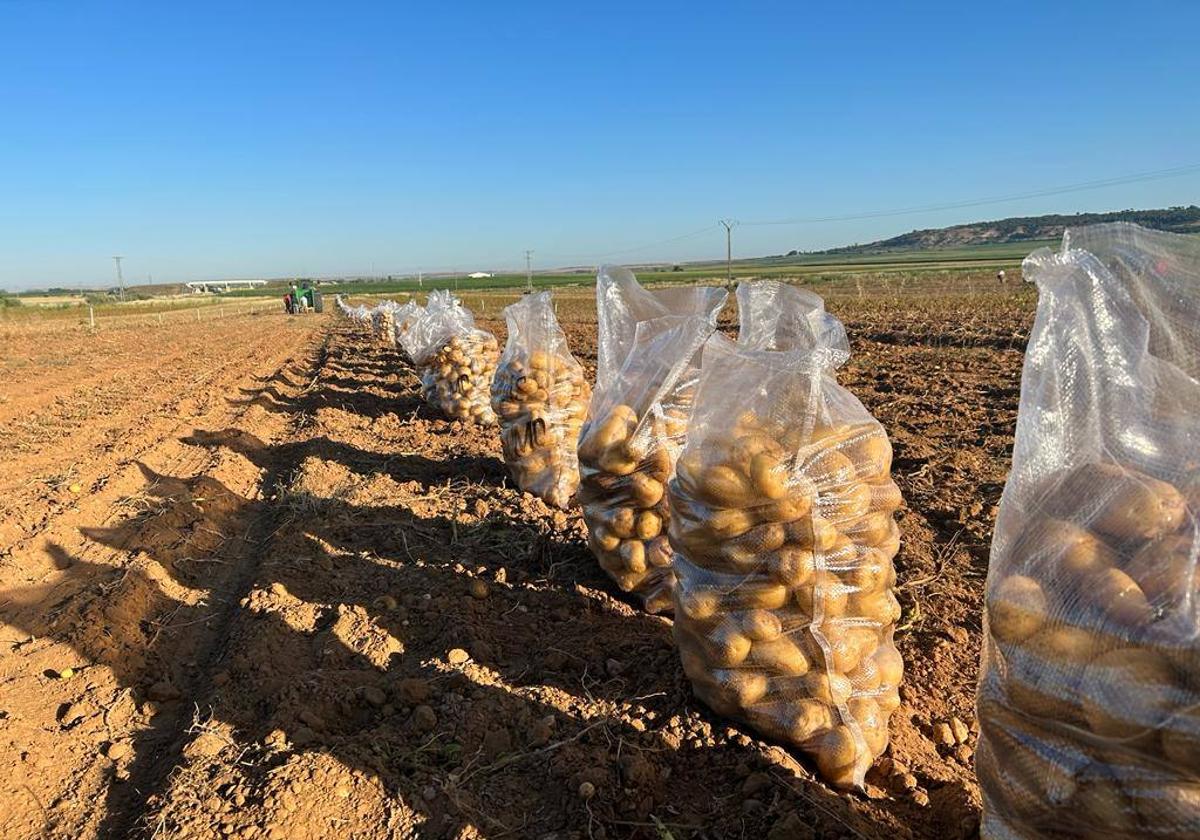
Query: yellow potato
column 826, row 598
column 727, row 646
column 1127, row 691
column 768, row 476
column 645, row 490
column 806, row 719
column 761, row 625
column 890, row 664
column 616, row 460
column 829, row 468
column 789, row 509
column 744, row 688
column 621, row 522
column 1016, row 609
column 604, row 539
column 649, row 525
column 820, row 684
column 726, row 486
column 1066, row 643
column 1132, row 504
column 700, row 604
column 658, row 552
column 791, row 566
column 779, row 656
column 846, row 503
column 1165, row 570
column 872, row 722
column 837, row 756
column 814, row 533
column 1120, row 597
column 726, row 523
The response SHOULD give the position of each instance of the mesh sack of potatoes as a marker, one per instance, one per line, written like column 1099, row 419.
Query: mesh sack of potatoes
column 541, row 397
column 782, row 525
column 1088, row 700
column 648, row 345
column 455, row 359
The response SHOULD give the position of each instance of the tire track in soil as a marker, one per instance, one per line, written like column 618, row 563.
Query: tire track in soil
column 126, row 810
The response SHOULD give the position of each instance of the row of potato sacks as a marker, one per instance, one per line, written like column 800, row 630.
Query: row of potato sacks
column 1089, row 699
column 454, row 359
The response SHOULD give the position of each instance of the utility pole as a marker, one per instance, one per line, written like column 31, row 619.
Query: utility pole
column 120, row 278
column 728, row 225
column 529, row 271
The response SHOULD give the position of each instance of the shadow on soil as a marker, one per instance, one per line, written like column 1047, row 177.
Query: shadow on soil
column 335, row 628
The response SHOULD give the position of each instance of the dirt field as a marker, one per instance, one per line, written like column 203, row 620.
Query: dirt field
column 239, row 597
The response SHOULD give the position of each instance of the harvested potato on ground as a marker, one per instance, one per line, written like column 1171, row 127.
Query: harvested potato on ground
column 784, row 541
column 541, row 398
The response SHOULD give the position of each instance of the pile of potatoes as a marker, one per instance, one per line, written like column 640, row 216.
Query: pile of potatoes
column 1089, row 703
column 625, row 465
column 785, row 607
column 457, row 379
column 541, row 399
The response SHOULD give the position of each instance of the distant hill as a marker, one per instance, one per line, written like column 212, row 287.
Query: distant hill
column 1022, row 228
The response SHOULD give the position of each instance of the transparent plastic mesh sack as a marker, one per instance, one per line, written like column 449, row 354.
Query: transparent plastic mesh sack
column 403, row 320
column 540, row 396
column 1088, row 700
column 782, row 526
column 455, row 359
column 648, row 350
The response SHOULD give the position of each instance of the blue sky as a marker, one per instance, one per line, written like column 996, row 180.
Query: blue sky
column 249, row 139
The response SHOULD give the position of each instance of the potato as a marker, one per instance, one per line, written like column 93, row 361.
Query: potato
column 826, row 598
column 1119, row 596
column 846, row 503
column 621, row 521
column 749, row 549
column 814, row 533
column 744, row 688
column 1164, row 569
column 890, row 664
column 699, row 604
column 1066, row 643
column 645, row 490
column 791, row 566
column 805, row 720
column 1016, row 609
column 1132, row 505
column 633, row 554
column 649, row 525
column 837, row 756
column 828, row 687
column 725, row 486
column 829, row 468
column 761, row 625
column 789, row 509
column 872, row 722
column 1180, row 738
column 1127, row 691
column 728, row 646
column 768, row 476
column 726, row 523
column 779, row 656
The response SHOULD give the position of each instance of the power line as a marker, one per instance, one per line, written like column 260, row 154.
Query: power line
column 668, row 241
column 953, row 205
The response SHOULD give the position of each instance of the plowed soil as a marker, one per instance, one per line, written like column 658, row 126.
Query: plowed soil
column 251, row 586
